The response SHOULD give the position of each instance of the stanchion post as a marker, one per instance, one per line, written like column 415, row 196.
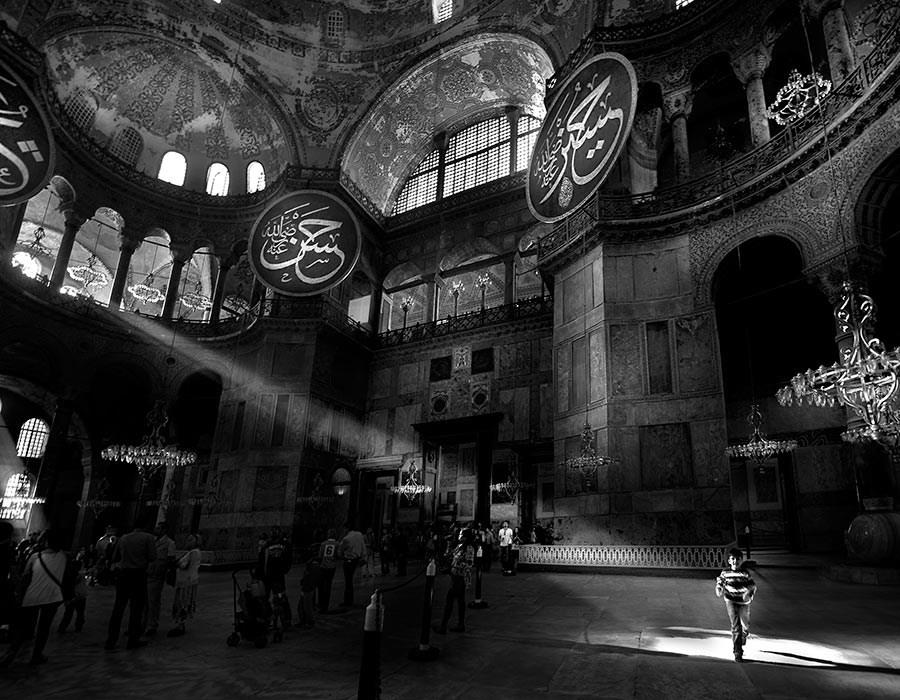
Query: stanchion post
column 478, row 603
column 370, row 667
column 426, row 652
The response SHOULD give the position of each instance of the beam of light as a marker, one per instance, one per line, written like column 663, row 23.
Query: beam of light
column 697, row 641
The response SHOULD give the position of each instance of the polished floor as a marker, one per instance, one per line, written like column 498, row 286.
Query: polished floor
column 543, row 635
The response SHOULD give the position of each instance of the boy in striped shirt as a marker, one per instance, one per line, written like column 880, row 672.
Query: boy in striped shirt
column 738, row 589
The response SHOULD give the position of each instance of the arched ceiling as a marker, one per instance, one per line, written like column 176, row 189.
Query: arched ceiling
column 447, row 88
column 177, row 98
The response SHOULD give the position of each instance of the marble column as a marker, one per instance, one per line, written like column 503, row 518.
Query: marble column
column 430, row 297
column 219, row 292
column 512, row 116
column 180, row 256
column 837, row 36
column 509, row 281
column 127, row 247
column 73, row 222
column 749, row 69
column 375, row 308
column 677, row 107
column 11, row 218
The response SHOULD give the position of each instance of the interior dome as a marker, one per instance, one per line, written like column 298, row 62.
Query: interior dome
column 178, row 99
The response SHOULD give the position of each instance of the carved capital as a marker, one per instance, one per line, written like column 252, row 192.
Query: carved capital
column 752, row 64
column 181, row 251
column 74, row 219
column 678, row 103
column 129, row 242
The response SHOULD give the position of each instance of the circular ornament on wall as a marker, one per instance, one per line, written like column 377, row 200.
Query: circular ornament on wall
column 304, row 243
column 27, row 152
column 321, row 107
column 585, row 130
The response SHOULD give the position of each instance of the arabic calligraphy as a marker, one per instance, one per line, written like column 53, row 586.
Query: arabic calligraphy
column 305, row 243
column 582, row 135
column 25, row 146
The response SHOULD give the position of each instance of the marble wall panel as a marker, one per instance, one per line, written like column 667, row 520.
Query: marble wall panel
column 409, row 378
column 821, row 468
column 225, row 427
column 376, row 434
column 404, row 433
column 262, row 433
column 666, row 456
column 381, row 383
column 269, row 489
column 659, row 357
column 514, row 359
column 709, row 440
column 515, row 405
column 696, row 349
column 597, row 364
column 289, row 359
column 545, row 410
column 573, row 302
column 563, row 376
column 320, row 421
column 625, row 360
column 297, row 415
column 449, row 468
column 545, row 354
column 655, row 275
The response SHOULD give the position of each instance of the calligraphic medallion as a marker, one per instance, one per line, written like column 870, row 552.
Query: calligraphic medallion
column 304, row 243
column 584, row 132
column 26, row 144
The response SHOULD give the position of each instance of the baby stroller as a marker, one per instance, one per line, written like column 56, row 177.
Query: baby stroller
column 252, row 612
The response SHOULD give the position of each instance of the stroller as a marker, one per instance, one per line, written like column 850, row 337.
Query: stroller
column 252, row 613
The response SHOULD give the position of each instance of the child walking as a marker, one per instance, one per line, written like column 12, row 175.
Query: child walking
column 738, row 588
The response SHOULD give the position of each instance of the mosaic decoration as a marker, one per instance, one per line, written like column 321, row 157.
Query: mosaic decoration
column 304, row 243
column 26, row 144
column 586, row 127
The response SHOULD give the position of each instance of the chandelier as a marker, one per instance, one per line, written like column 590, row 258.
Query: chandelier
column 89, row 275
column 511, row 486
column 145, row 292
column 759, row 448
column 153, row 453
column 588, row 462
column 196, row 299
column 864, row 379
column 411, row 487
column 798, row 96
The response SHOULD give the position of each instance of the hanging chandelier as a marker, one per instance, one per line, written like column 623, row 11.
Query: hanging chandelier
column 511, row 487
column 759, row 448
column 90, row 276
column 411, row 487
column 800, row 94
column 145, row 292
column 588, row 462
column 864, row 379
column 153, row 453
column 196, row 299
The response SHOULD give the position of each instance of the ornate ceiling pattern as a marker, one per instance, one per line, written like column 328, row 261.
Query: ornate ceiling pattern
column 176, row 98
column 466, row 79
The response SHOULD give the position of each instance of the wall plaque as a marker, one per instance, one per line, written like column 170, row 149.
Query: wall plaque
column 304, row 243
column 583, row 133
column 26, row 146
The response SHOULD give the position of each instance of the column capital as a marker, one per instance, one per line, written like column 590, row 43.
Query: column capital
column 678, row 103
column 181, row 251
column 817, row 8
column 129, row 242
column 74, row 218
column 752, row 64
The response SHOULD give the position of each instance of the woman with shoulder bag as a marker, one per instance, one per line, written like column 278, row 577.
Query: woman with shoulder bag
column 41, row 592
column 187, row 575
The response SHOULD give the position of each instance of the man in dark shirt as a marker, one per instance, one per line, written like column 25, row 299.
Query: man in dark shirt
column 132, row 555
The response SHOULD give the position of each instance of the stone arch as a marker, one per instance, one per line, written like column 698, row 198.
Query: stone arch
column 474, row 248
column 723, row 237
column 403, row 273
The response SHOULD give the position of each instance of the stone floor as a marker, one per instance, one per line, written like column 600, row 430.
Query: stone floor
column 544, row 635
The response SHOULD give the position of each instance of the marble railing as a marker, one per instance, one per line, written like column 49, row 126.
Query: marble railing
column 625, row 556
column 227, row 557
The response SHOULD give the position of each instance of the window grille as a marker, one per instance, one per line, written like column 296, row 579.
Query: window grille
column 421, row 188
column 477, row 155
column 442, row 9
column 682, row 3
column 334, row 25
column 217, row 178
column 32, row 438
column 127, row 145
column 173, row 168
column 256, row 177
column 81, row 110
column 529, row 127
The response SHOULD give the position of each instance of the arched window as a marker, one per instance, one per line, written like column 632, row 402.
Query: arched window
column 173, row 168
column 82, row 109
column 421, row 188
column 32, row 438
column 682, row 3
column 441, row 10
column 256, row 177
column 477, row 155
column 528, row 128
column 217, row 180
column 334, row 25
column 127, row 145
